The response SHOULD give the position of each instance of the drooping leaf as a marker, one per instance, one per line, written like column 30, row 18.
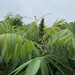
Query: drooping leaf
column 33, row 67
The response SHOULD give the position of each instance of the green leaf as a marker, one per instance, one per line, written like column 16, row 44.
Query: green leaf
column 3, row 52
column 23, row 51
column 73, row 42
column 44, row 67
column 33, row 67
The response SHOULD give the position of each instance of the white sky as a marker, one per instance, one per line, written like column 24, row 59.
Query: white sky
column 60, row 9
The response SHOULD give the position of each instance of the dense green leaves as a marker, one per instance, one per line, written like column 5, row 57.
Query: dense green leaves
column 14, row 20
column 14, row 45
column 22, row 54
column 71, row 27
column 20, row 67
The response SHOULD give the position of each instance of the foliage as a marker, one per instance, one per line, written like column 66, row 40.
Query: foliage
column 5, row 27
column 14, row 20
column 22, row 54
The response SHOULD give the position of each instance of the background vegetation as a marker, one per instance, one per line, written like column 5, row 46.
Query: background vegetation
column 36, row 49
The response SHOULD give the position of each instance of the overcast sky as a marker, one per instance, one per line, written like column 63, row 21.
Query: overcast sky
column 60, row 9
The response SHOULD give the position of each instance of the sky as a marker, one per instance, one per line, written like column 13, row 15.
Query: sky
column 62, row 9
